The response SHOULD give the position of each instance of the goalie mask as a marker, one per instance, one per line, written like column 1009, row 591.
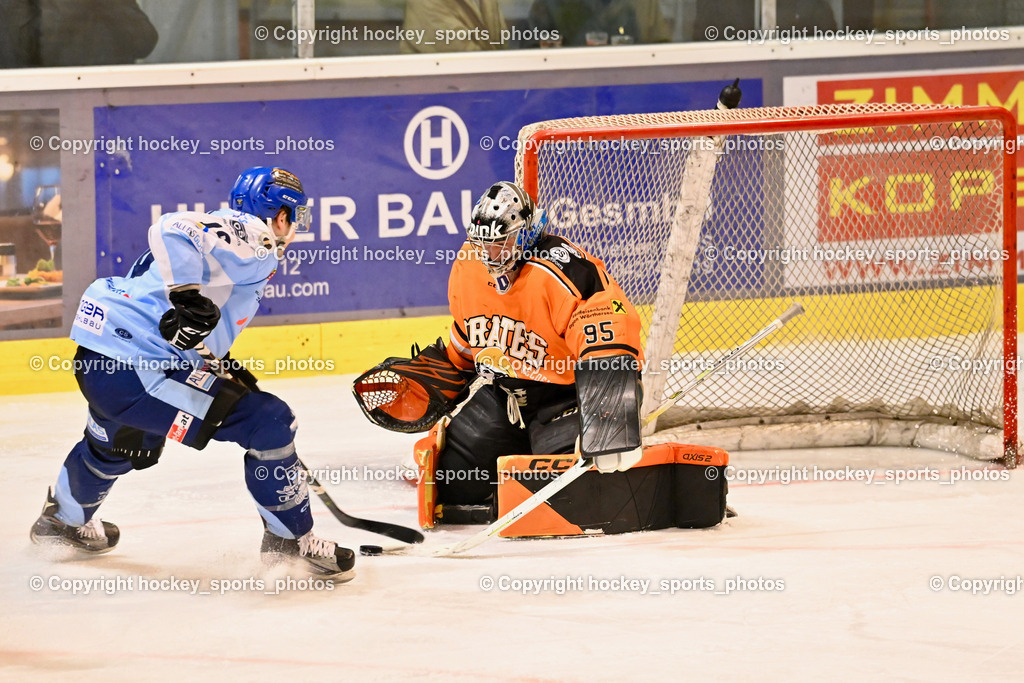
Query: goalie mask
column 505, row 225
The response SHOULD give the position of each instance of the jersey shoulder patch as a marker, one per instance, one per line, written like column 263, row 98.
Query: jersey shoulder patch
column 571, row 263
column 190, row 230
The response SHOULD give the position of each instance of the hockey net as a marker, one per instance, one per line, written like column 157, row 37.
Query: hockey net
column 893, row 225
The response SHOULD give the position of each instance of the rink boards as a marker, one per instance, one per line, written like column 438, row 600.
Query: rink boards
column 354, row 346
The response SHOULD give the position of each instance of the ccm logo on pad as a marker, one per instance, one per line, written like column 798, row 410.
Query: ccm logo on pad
column 551, row 464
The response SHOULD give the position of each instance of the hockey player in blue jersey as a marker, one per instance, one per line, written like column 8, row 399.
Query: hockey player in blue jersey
column 200, row 282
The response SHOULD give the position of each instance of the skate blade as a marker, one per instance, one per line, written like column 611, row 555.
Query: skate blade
column 343, row 577
column 278, row 566
column 56, row 543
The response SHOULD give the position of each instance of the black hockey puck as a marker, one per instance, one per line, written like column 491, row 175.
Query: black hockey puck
column 370, row 550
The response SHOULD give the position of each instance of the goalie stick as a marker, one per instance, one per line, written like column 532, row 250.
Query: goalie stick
column 395, row 531
column 791, row 312
column 584, row 464
column 527, row 506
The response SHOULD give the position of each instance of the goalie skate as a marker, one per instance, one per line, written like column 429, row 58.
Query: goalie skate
column 95, row 536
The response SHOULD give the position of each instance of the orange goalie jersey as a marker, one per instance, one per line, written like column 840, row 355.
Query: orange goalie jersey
column 562, row 307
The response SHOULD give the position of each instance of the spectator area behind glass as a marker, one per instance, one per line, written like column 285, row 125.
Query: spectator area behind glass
column 91, row 32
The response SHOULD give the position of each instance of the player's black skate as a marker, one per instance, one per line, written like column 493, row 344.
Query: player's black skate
column 94, row 537
column 323, row 558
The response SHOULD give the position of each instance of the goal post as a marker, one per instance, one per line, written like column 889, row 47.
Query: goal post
column 893, row 224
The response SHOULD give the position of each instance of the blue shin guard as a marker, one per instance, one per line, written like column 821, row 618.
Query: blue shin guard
column 278, row 485
column 84, row 481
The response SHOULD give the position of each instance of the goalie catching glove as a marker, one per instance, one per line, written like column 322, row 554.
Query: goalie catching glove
column 410, row 394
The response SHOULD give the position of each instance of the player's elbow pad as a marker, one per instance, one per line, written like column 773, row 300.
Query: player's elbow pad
column 609, row 393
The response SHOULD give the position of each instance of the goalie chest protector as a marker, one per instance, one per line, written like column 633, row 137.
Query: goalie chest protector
column 673, row 485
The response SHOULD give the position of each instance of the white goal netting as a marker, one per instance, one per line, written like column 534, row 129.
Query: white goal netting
column 889, row 223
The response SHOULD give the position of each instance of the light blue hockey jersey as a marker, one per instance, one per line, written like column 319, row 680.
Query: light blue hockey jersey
column 231, row 255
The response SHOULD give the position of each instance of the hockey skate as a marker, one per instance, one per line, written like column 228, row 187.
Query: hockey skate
column 322, row 558
column 94, row 537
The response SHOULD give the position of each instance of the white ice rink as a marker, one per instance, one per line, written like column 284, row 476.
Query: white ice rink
column 856, row 561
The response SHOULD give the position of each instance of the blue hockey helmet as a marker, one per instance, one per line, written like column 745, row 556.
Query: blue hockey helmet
column 262, row 191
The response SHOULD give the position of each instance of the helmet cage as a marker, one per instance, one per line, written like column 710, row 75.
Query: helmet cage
column 504, row 225
column 498, row 255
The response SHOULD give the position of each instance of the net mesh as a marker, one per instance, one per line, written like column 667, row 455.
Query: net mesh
column 890, row 235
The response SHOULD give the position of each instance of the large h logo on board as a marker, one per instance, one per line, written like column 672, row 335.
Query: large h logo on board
column 429, row 135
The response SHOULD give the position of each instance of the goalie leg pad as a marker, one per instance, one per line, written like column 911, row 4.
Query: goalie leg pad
column 430, row 511
column 674, row 485
column 425, row 454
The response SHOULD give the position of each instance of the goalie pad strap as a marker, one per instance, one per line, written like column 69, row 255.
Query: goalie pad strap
column 609, row 393
column 425, row 454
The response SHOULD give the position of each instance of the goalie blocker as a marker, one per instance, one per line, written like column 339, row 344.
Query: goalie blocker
column 609, row 394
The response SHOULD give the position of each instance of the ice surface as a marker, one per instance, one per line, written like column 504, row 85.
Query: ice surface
column 855, row 560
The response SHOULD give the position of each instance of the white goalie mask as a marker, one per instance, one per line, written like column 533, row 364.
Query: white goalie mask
column 505, row 224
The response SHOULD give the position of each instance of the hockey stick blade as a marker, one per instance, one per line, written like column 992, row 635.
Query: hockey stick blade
column 790, row 313
column 395, row 531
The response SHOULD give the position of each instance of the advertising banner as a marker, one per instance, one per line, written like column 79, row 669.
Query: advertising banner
column 393, row 179
column 925, row 196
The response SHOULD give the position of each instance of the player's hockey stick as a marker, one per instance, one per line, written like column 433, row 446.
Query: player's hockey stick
column 395, row 531
column 584, row 464
column 793, row 311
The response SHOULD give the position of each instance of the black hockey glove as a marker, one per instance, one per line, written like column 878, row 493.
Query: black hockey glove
column 190, row 321
column 239, row 373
